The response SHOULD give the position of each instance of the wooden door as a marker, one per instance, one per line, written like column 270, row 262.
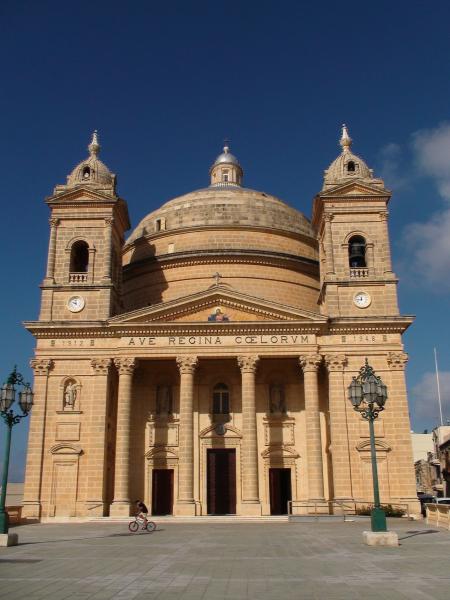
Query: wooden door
column 162, row 492
column 280, row 490
column 221, row 482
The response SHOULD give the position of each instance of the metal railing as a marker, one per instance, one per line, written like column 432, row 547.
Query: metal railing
column 339, row 508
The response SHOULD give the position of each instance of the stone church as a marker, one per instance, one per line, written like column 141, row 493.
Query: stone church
column 202, row 363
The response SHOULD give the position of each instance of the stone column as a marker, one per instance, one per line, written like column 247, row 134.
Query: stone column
column 403, row 483
column 251, row 504
column 108, row 248
column 32, row 508
column 329, row 244
column 340, row 452
column 95, row 500
column 50, row 275
column 386, row 259
column 186, row 504
column 310, row 365
column 121, row 503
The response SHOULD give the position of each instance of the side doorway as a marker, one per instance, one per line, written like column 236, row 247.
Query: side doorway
column 280, row 490
column 162, row 492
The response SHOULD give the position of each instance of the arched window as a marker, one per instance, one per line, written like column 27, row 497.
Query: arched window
column 221, row 399
column 357, row 252
column 79, row 257
column 86, row 172
column 351, row 167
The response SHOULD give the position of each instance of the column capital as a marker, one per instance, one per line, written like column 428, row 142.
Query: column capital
column 335, row 362
column 187, row 363
column 248, row 363
column 397, row 360
column 383, row 215
column 54, row 222
column 109, row 221
column 101, row 366
column 41, row 366
column 310, row 362
column 328, row 216
column 125, row 366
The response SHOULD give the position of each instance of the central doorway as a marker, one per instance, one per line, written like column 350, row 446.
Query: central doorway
column 221, row 482
column 280, row 490
column 162, row 492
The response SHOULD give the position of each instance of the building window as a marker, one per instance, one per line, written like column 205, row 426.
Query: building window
column 225, row 176
column 351, row 167
column 357, row 252
column 79, row 257
column 86, row 173
column 221, row 399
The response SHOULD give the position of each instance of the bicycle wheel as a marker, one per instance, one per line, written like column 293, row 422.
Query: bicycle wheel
column 133, row 526
column 151, row 526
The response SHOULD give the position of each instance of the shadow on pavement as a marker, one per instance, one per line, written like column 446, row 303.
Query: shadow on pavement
column 418, row 532
column 93, row 537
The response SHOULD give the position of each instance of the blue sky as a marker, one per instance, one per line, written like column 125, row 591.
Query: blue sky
column 166, row 82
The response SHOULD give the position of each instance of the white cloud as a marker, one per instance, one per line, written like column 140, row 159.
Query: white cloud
column 427, row 244
column 423, row 400
column 391, row 170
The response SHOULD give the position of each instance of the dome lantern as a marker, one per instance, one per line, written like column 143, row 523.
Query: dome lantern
column 92, row 171
column 226, row 170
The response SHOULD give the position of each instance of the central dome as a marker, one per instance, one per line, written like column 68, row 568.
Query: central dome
column 224, row 207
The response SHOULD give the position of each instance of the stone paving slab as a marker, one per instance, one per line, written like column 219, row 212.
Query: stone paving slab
column 236, row 561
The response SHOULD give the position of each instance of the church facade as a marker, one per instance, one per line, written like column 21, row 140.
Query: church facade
column 202, row 364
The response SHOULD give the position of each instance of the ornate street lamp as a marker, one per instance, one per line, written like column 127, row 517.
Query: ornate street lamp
column 7, row 398
column 368, row 394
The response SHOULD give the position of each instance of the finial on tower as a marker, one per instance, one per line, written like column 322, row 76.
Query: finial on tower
column 346, row 140
column 226, row 147
column 94, row 146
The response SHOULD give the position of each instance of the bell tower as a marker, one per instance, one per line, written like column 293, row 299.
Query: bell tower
column 350, row 215
column 87, row 224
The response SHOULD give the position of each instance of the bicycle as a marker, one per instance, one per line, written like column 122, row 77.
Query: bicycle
column 134, row 526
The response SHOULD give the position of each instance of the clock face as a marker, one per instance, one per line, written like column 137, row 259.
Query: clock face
column 362, row 299
column 75, row 304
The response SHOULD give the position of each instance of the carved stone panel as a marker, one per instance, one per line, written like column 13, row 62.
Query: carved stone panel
column 67, row 432
column 163, row 435
column 279, row 433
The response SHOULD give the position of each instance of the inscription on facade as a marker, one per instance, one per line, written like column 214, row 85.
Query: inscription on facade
column 219, row 340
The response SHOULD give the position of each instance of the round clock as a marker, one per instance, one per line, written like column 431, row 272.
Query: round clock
column 75, row 303
column 362, row 299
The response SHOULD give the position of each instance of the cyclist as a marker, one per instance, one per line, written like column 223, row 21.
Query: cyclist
column 142, row 512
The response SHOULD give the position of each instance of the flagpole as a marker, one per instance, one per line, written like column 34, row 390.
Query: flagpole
column 438, row 386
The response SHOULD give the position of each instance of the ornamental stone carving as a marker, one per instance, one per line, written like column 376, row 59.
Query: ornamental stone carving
column 54, row 222
column 335, row 362
column 125, row 366
column 248, row 363
column 397, row 360
column 101, row 366
column 310, row 362
column 41, row 366
column 187, row 364
column 109, row 221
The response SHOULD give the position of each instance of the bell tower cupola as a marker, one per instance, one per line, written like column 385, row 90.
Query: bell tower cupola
column 226, row 170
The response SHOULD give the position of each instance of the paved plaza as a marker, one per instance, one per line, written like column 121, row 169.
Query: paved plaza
column 211, row 561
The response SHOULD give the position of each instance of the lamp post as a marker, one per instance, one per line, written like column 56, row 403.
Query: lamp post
column 368, row 395
column 7, row 398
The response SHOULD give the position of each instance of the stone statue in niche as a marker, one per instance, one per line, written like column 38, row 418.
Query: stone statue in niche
column 70, row 395
column 277, row 400
column 163, row 400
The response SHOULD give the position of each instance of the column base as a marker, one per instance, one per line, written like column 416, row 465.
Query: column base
column 251, row 509
column 31, row 510
column 380, row 538
column 9, row 539
column 95, row 508
column 185, row 509
column 121, row 508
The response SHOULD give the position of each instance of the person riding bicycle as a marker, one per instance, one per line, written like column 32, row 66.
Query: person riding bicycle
column 142, row 512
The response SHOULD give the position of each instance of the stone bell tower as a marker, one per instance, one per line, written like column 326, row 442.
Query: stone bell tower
column 87, row 224
column 350, row 216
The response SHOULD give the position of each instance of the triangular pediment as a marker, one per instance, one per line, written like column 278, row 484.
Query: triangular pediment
column 218, row 304
column 81, row 194
column 356, row 188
